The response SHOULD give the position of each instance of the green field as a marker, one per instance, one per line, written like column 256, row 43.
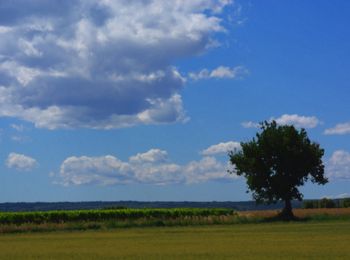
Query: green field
column 63, row 216
column 297, row 240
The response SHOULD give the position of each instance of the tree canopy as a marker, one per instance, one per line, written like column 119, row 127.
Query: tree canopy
column 279, row 160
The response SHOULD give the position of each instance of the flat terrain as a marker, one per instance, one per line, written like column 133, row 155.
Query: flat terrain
column 297, row 240
column 300, row 213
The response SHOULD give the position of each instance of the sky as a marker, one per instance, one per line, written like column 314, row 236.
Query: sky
column 143, row 99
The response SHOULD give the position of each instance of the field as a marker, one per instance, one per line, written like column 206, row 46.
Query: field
column 297, row 240
column 63, row 216
column 301, row 213
column 14, row 222
column 189, row 233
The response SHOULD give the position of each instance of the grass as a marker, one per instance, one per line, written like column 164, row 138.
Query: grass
column 107, row 219
column 300, row 213
column 291, row 240
column 112, row 219
column 62, row 216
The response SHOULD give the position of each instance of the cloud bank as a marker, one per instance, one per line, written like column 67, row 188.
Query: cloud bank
column 151, row 167
column 101, row 64
column 289, row 119
column 155, row 167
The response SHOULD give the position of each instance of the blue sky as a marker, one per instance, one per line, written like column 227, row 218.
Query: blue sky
column 141, row 100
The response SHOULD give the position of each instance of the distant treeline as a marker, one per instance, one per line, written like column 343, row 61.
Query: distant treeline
column 327, row 203
column 236, row 205
column 49, row 206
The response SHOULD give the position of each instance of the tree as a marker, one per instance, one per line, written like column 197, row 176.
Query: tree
column 346, row 203
column 326, row 203
column 278, row 161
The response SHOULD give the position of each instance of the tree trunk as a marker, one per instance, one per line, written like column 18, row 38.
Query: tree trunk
column 287, row 212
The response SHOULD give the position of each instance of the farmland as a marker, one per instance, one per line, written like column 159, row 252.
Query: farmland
column 174, row 234
column 11, row 222
column 310, row 240
column 106, row 219
column 61, row 216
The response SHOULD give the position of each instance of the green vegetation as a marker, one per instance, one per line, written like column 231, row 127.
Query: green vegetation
column 109, row 218
column 40, row 217
column 291, row 240
column 346, row 203
column 326, row 203
column 126, row 218
column 277, row 162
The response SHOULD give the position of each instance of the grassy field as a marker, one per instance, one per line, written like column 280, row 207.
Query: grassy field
column 300, row 213
column 14, row 222
column 294, row 240
column 68, row 220
column 62, row 216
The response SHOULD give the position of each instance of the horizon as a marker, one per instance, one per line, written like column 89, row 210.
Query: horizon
column 108, row 101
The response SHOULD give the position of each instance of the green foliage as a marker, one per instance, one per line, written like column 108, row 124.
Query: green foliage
column 115, row 207
column 105, row 215
column 277, row 162
column 326, row 203
column 346, row 203
column 310, row 204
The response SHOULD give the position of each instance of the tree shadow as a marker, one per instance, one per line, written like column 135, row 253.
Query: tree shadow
column 283, row 218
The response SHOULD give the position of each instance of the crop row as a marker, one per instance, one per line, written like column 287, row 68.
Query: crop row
column 39, row 217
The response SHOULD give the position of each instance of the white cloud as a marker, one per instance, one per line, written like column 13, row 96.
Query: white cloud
column 20, row 162
column 221, row 148
column 342, row 195
column 298, row 121
column 101, row 170
column 19, row 128
column 220, row 72
column 338, row 166
column 338, row 196
column 5, row 29
column 339, row 129
column 208, row 168
column 158, row 173
column 289, row 119
column 153, row 155
column 250, row 124
column 151, row 167
column 101, row 64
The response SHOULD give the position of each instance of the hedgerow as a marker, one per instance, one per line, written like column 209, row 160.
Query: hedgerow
column 40, row 217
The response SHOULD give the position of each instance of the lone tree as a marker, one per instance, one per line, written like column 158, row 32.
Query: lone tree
column 277, row 162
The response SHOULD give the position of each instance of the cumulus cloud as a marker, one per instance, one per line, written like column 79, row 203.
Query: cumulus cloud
column 153, row 155
column 208, row 168
column 151, row 167
column 221, row 148
column 342, row 195
column 101, row 64
column 339, row 129
column 20, row 162
column 220, row 72
column 250, row 124
column 338, row 166
column 298, row 121
column 89, row 170
column 289, row 119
